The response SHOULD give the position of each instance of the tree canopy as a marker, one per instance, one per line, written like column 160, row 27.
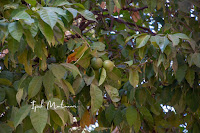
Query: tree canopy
column 115, row 61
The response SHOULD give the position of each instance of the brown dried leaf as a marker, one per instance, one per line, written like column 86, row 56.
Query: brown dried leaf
column 103, row 5
column 134, row 18
column 86, row 119
column 72, row 57
column 116, row 9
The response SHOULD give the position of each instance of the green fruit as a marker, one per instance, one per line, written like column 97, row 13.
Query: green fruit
column 108, row 65
column 96, row 63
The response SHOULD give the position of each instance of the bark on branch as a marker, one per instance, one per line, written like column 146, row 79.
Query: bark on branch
column 128, row 24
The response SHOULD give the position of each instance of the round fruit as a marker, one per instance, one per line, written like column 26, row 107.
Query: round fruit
column 108, row 65
column 96, row 63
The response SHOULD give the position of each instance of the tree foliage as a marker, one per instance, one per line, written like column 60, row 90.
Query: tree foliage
column 46, row 51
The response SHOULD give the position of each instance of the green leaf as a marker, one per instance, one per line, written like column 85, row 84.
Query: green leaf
column 155, row 108
column 147, row 115
column 16, row 30
column 131, row 37
column 142, row 52
column 152, row 5
column 115, row 74
column 72, row 11
column 24, row 16
column 34, row 86
column 167, row 26
column 84, row 60
column 62, row 3
column 13, row 45
column 39, row 119
column 48, row 82
column 192, row 100
column 195, row 128
column 175, row 40
column 182, row 36
column 39, row 50
column 110, row 113
column 96, row 98
column 19, row 95
column 193, row 44
column 133, row 77
column 131, row 115
column 55, row 117
column 196, row 59
column 180, row 73
column 4, row 128
column 29, row 38
column 142, row 40
column 22, row 58
column 79, row 5
column 11, row 96
column 87, row 14
column 34, row 29
column 62, row 85
column 21, row 114
column 58, row 34
column 46, row 31
column 133, row 118
column 190, row 76
column 69, row 87
column 130, row 63
column 118, row 117
column 57, row 10
column 117, row 4
column 63, row 114
column 110, row 6
column 58, row 71
column 113, row 93
column 89, row 78
column 159, row 41
column 160, row 59
column 98, row 46
column 32, row 2
column 141, row 96
column 102, row 77
column 5, row 82
column 78, row 84
column 2, row 94
column 163, row 42
column 72, row 68
column 48, row 16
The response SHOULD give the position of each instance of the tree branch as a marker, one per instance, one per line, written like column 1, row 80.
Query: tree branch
column 85, row 25
column 128, row 24
column 135, row 9
column 145, row 30
column 130, row 9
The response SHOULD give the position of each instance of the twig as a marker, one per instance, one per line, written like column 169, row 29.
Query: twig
column 111, row 24
column 85, row 25
column 131, row 9
column 146, row 30
column 82, row 38
column 135, row 9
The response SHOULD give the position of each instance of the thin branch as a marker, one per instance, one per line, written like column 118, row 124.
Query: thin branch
column 88, row 29
column 145, row 30
column 82, row 38
column 111, row 24
column 130, row 9
column 135, row 9
column 85, row 25
column 128, row 24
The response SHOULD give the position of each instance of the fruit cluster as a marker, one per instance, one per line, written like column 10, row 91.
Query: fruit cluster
column 97, row 63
